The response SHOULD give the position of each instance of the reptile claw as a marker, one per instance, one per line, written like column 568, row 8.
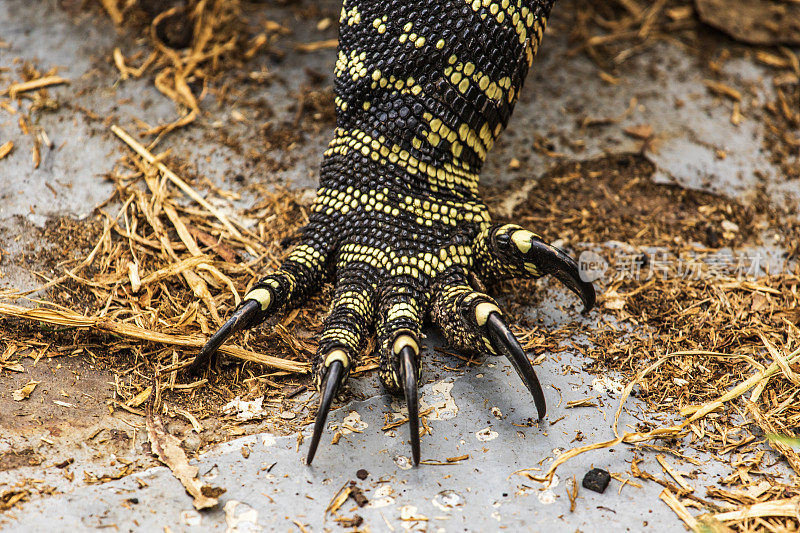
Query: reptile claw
column 333, row 378
column 504, row 342
column 240, row 319
column 551, row 260
column 408, row 373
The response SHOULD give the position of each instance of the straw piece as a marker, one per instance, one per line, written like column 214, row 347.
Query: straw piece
column 16, row 88
column 316, row 45
column 769, row 428
column 145, row 154
column 790, row 374
column 191, row 245
column 674, row 474
column 683, row 513
column 113, row 11
column 669, row 431
column 6, row 148
column 129, row 331
column 789, row 507
column 173, row 269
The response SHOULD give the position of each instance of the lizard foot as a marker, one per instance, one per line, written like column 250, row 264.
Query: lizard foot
column 387, row 286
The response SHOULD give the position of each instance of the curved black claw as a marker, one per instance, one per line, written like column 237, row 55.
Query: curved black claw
column 333, row 379
column 240, row 319
column 504, row 342
column 408, row 373
column 551, row 260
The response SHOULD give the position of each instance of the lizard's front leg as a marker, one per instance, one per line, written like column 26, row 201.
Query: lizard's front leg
column 423, row 89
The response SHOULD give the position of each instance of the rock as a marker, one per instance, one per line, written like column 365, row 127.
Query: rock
column 596, row 479
column 767, row 22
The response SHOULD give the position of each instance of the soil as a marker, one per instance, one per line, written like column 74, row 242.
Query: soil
column 613, row 198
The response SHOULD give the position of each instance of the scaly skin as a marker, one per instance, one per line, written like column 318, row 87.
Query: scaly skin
column 423, row 89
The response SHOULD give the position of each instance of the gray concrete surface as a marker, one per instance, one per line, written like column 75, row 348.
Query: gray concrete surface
column 481, row 493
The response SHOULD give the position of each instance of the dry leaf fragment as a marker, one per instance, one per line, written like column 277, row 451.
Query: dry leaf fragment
column 167, row 448
column 25, row 392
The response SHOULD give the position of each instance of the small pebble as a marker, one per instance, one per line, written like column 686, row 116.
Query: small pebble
column 362, row 474
column 596, row 479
